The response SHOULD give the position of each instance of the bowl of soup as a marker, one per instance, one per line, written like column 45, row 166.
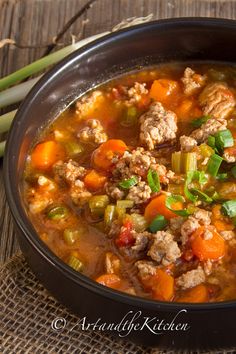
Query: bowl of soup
column 120, row 173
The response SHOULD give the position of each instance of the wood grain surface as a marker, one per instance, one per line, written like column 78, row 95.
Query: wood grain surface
column 34, row 24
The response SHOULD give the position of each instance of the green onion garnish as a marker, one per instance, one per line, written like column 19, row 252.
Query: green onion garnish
column 202, row 196
column 229, row 208
column 233, row 171
column 170, row 200
column 222, row 176
column 211, row 141
column 214, row 164
column 224, row 139
column 128, row 183
column 159, row 223
column 57, row 213
column 197, row 123
column 200, row 176
column 153, row 181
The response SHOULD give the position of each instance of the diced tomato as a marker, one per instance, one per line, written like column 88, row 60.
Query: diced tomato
column 125, row 238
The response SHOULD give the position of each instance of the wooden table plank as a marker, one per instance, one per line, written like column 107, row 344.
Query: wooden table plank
column 36, row 22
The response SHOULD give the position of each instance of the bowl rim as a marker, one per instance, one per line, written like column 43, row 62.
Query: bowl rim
column 13, row 195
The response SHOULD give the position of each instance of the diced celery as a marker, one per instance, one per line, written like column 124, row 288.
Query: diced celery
column 73, row 148
column 109, row 215
column 125, row 204
column 120, row 212
column 57, row 213
column 189, row 162
column 139, row 222
column 98, row 204
column 176, row 161
column 75, row 263
column 71, row 236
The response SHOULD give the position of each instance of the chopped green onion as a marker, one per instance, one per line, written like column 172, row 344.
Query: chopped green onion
column 130, row 118
column 233, row 171
column 211, row 141
column 170, row 200
column 57, row 213
column 194, row 175
column 222, row 176
column 159, row 223
column 197, row 123
column 125, row 204
column 153, row 181
column 139, row 222
column 128, row 183
column 176, row 164
column 75, row 263
column 98, row 203
column 202, row 196
column 71, row 236
column 214, row 164
column 109, row 215
column 229, row 208
column 224, row 139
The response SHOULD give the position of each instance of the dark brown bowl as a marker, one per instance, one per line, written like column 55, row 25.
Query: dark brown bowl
column 191, row 326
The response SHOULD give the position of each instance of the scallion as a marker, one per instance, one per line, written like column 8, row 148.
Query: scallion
column 222, row 176
column 214, row 164
column 201, row 196
column 197, row 123
column 153, row 181
column 224, row 139
column 128, row 183
column 170, row 200
column 194, row 175
column 57, row 213
column 158, row 224
column 229, row 208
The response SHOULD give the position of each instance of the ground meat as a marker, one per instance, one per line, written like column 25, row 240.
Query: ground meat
column 139, row 193
column 164, row 249
column 46, row 183
column 38, row 201
column 157, row 126
column 115, row 228
column 207, row 266
column 112, row 263
column 176, row 223
column 227, row 235
column 229, row 158
column 84, row 104
column 212, row 126
column 69, row 171
column 192, row 81
column 113, row 191
column 217, row 100
column 146, row 268
column 192, row 278
column 200, row 217
column 187, row 143
column 136, row 92
column 93, row 132
column 141, row 240
column 78, row 193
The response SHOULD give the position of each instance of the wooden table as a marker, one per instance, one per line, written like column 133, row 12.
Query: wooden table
column 34, row 24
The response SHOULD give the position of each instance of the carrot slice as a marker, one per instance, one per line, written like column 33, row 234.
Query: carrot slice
column 45, row 154
column 197, row 294
column 212, row 248
column 158, row 206
column 94, row 180
column 103, row 155
column 162, row 89
column 110, row 280
column 161, row 284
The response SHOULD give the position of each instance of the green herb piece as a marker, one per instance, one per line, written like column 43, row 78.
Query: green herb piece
column 75, row 263
column 224, row 139
column 200, row 176
column 229, row 208
column 201, row 196
column 128, row 183
column 197, row 123
column 222, row 176
column 170, row 200
column 214, row 164
column 153, row 181
column 158, row 224
column 98, row 204
column 57, row 213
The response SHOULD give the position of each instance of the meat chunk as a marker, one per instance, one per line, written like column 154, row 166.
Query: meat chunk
column 228, row 157
column 227, row 235
column 38, row 201
column 139, row 193
column 217, row 100
column 146, row 268
column 112, row 263
column 157, row 126
column 187, row 143
column 136, row 92
column 192, row 81
column 199, row 217
column 93, row 132
column 192, row 278
column 88, row 102
column 69, row 171
column 164, row 249
column 113, row 191
column 79, row 193
column 141, row 240
column 211, row 127
column 176, row 223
